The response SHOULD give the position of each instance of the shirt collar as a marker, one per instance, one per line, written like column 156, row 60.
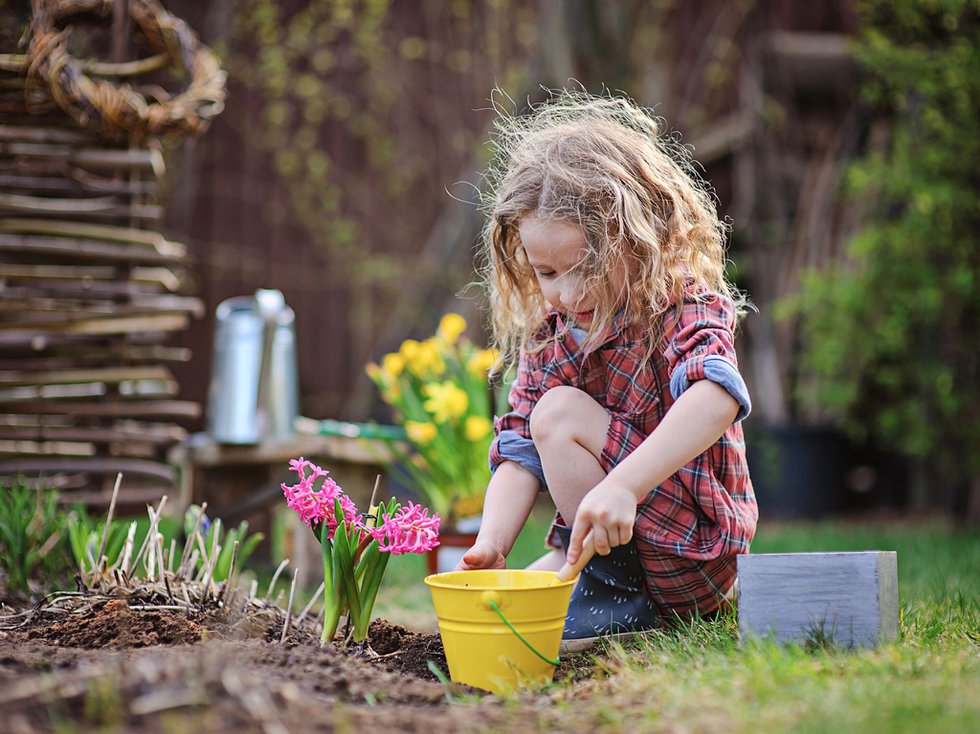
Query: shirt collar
column 620, row 322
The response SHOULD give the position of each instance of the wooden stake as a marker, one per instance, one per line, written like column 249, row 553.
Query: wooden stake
column 108, row 521
column 289, row 608
column 275, row 577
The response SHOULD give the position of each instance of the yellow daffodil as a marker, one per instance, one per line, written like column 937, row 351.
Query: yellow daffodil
column 481, row 361
column 387, row 384
column 431, row 386
column 476, row 427
column 408, row 350
column 420, row 433
column 426, row 361
column 445, row 401
column 450, row 327
column 469, row 505
column 393, row 364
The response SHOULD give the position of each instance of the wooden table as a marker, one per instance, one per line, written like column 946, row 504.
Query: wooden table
column 242, row 482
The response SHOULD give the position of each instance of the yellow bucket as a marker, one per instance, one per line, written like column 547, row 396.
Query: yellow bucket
column 500, row 628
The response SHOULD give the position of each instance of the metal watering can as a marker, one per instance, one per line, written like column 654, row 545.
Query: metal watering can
column 254, row 393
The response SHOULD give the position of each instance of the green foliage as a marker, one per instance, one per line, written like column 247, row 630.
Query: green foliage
column 892, row 331
column 32, row 537
column 246, row 544
column 85, row 536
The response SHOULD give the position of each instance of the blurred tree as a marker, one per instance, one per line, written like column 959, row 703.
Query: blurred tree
column 892, row 329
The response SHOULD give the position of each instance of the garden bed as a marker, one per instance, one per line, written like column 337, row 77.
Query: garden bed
column 92, row 662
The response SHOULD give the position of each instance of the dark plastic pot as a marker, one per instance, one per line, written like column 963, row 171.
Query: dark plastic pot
column 797, row 471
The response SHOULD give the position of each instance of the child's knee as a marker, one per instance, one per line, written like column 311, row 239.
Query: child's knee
column 560, row 412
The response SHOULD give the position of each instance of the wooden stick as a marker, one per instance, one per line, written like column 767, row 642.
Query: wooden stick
column 570, row 570
column 154, row 518
column 128, row 548
column 275, row 577
column 289, row 608
column 90, row 249
column 108, row 519
column 309, row 605
column 126, row 68
column 100, row 159
column 163, row 574
column 109, row 375
column 213, row 560
column 14, row 62
column 188, row 544
column 171, row 554
column 231, row 572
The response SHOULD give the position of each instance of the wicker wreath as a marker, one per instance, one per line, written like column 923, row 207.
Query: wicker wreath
column 117, row 110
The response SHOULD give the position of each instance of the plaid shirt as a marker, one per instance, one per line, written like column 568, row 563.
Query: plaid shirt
column 689, row 529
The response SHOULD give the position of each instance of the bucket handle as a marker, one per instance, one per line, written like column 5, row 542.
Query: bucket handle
column 493, row 605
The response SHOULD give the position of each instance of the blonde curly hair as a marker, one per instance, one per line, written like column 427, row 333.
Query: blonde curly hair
column 602, row 163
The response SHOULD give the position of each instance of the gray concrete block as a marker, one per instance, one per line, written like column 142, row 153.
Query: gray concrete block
column 849, row 598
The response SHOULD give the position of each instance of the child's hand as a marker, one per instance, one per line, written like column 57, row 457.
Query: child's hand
column 481, row 555
column 608, row 510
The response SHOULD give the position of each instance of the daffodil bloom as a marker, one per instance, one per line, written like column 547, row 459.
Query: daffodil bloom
column 420, row 433
column 450, row 327
column 408, row 350
column 468, row 505
column 427, row 361
column 445, row 401
column 476, row 427
column 481, row 361
column 439, row 393
column 393, row 364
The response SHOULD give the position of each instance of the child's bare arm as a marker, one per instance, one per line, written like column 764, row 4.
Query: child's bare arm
column 691, row 426
column 510, row 496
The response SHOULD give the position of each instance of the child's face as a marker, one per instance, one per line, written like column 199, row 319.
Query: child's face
column 555, row 249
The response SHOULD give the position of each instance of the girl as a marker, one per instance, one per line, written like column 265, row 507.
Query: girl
column 604, row 261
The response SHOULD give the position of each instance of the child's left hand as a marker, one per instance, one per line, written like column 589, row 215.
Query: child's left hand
column 608, row 510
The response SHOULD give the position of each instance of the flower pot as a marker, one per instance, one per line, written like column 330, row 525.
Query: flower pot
column 797, row 471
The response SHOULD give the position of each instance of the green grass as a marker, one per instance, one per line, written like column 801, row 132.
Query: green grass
column 700, row 678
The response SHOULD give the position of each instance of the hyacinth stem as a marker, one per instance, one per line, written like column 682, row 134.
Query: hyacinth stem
column 344, row 573
column 331, row 599
column 375, row 565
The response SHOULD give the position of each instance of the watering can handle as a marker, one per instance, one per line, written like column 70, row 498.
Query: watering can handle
column 571, row 570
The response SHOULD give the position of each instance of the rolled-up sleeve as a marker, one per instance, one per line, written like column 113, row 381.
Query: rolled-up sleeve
column 700, row 345
column 513, row 429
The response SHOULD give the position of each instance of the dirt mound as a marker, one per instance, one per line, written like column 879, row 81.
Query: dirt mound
column 407, row 652
column 114, row 625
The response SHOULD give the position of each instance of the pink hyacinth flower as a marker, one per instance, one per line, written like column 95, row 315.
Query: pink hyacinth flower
column 409, row 530
column 316, row 506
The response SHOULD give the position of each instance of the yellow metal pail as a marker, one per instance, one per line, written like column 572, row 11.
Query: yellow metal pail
column 500, row 628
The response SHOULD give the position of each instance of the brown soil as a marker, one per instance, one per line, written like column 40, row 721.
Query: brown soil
column 109, row 667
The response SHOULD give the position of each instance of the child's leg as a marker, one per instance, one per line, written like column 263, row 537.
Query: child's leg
column 569, row 431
